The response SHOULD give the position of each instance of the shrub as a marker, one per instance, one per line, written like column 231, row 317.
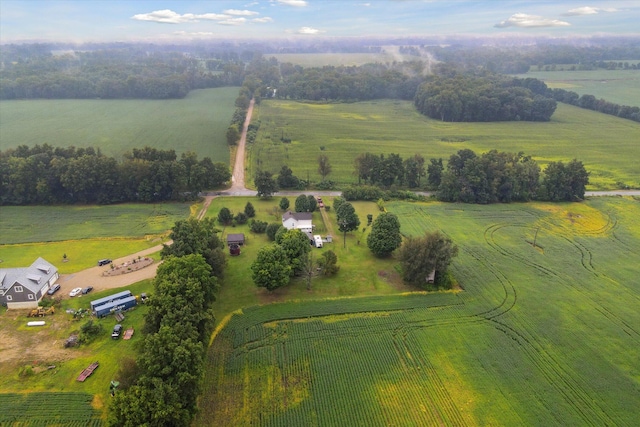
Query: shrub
column 241, row 218
column 258, row 226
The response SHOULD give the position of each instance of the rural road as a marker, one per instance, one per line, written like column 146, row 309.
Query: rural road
column 93, row 276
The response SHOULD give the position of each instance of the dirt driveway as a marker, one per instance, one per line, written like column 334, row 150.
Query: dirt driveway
column 93, row 276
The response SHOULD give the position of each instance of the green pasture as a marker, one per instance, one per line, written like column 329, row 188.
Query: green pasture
column 81, row 254
column 608, row 146
column 538, row 335
column 617, row 86
column 196, row 123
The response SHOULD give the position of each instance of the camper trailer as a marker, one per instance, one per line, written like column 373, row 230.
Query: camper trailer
column 317, row 241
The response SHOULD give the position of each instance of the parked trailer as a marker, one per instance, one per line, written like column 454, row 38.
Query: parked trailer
column 317, row 241
column 112, row 307
column 110, row 298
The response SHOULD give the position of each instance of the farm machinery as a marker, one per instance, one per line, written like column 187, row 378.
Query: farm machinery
column 41, row 311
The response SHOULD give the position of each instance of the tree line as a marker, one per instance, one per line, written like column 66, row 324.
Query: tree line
column 162, row 385
column 491, row 177
column 465, row 98
column 600, row 105
column 506, row 177
column 47, row 175
column 594, row 53
column 111, row 74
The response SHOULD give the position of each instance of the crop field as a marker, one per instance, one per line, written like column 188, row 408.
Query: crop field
column 608, row 146
column 84, row 233
column 617, row 86
column 196, row 123
column 26, row 224
column 46, row 409
column 536, row 335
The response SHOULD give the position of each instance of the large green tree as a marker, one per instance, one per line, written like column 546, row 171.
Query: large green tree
column 347, row 219
column 297, row 247
column 385, row 235
column 192, row 236
column 564, row 182
column 271, row 268
column 265, row 184
column 302, row 203
column 419, row 256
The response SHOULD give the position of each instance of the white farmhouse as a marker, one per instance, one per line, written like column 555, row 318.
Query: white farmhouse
column 298, row 220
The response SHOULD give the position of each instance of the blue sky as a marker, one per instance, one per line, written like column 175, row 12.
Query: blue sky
column 149, row 20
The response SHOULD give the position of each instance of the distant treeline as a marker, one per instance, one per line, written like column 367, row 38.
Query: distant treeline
column 47, row 175
column 366, row 82
column 492, row 177
column 520, row 59
column 464, row 98
column 111, row 74
column 591, row 103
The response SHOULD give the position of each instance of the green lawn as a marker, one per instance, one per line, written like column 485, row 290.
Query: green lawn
column 196, row 123
column 608, row 146
column 617, row 86
column 543, row 335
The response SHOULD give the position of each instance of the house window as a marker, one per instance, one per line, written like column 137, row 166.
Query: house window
column 9, row 298
column 30, row 296
column 18, row 289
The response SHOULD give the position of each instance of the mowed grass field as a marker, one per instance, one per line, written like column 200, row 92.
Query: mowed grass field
column 196, row 123
column 608, row 146
column 84, row 233
column 617, row 86
column 544, row 335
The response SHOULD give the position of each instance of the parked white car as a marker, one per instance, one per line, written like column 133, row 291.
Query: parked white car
column 75, row 291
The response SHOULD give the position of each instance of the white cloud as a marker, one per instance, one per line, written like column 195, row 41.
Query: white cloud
column 236, row 12
column 294, row 3
column 524, row 20
column 193, row 34
column 233, row 21
column 211, row 17
column 167, row 16
column 587, row 10
column 262, row 20
column 309, row 31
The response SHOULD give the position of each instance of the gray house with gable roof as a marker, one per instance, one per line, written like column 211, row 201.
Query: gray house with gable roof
column 24, row 287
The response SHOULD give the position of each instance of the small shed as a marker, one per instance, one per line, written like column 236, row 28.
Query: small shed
column 235, row 239
column 234, row 249
column 432, row 276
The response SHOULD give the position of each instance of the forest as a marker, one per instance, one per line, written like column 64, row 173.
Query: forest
column 47, row 175
column 464, row 84
column 484, row 99
column 35, row 73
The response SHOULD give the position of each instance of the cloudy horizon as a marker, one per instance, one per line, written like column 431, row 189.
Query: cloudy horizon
column 119, row 20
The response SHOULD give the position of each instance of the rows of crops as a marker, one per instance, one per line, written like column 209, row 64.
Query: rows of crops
column 344, row 131
column 48, row 409
column 541, row 335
